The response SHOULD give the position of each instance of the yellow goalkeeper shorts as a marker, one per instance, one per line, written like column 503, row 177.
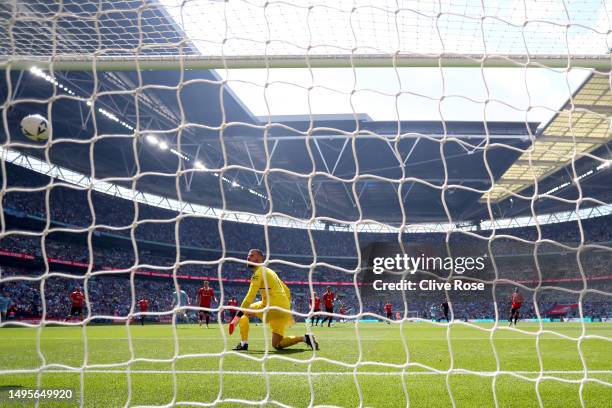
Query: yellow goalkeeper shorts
column 278, row 320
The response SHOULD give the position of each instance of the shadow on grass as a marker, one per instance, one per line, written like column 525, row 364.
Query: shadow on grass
column 284, row 351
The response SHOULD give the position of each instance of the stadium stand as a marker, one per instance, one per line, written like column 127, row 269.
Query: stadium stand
column 22, row 255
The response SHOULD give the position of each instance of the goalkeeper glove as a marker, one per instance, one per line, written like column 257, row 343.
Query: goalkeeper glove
column 232, row 324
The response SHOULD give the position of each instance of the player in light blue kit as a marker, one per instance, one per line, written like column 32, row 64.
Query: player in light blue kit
column 433, row 312
column 181, row 300
column 5, row 301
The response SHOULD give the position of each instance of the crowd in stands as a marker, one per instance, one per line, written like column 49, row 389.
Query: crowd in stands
column 524, row 268
column 130, row 236
column 109, row 296
column 110, row 215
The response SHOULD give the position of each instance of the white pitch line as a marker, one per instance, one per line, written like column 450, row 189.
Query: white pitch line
column 327, row 373
column 363, row 340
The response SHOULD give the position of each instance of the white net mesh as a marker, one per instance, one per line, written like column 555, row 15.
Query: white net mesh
column 153, row 180
column 292, row 33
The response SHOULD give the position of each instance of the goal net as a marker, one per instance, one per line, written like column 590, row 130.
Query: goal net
column 429, row 179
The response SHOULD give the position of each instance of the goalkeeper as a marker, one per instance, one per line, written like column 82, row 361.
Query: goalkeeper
column 274, row 293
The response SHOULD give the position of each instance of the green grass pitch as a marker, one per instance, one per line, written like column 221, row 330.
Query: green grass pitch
column 348, row 370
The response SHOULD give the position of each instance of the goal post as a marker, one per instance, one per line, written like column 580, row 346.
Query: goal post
column 84, row 63
column 173, row 34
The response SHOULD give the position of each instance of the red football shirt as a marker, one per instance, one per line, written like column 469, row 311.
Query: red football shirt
column 232, row 303
column 77, row 298
column 517, row 299
column 388, row 308
column 317, row 303
column 328, row 298
column 143, row 304
column 206, row 296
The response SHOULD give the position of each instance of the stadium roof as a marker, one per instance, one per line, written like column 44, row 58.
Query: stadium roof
column 326, row 149
column 582, row 126
column 194, row 145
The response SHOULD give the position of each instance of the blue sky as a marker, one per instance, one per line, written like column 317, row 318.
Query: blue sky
column 510, row 28
column 511, row 91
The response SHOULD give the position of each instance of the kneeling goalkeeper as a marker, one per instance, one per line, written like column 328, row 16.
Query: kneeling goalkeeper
column 273, row 292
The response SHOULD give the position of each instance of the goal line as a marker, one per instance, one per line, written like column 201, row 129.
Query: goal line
column 330, row 373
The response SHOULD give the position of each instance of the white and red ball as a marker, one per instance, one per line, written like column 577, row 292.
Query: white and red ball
column 35, row 127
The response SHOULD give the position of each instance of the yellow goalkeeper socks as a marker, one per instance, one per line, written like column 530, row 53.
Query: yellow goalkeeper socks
column 290, row 341
column 243, row 323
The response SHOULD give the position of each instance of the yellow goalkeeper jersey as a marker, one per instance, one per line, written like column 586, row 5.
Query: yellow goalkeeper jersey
column 277, row 290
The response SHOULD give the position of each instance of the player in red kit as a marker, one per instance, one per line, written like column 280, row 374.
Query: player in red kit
column 317, row 308
column 342, row 311
column 389, row 312
column 77, row 298
column 328, row 300
column 205, row 296
column 143, row 305
column 517, row 302
column 234, row 303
